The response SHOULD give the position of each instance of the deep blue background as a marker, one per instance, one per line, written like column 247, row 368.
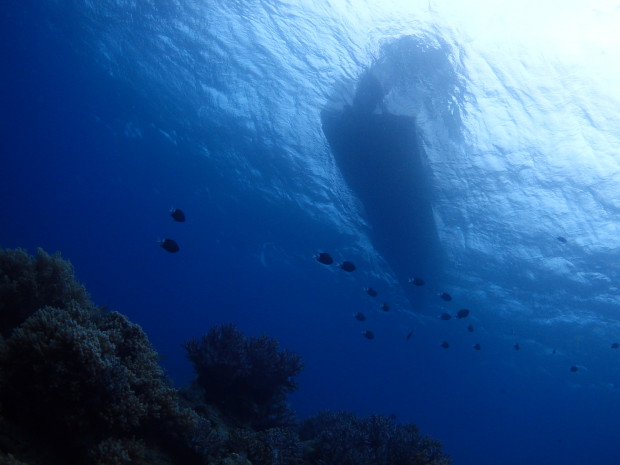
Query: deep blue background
column 91, row 165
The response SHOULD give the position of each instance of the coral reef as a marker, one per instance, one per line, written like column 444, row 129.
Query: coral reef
column 100, row 373
column 80, row 381
column 27, row 284
column 273, row 446
column 346, row 439
column 248, row 379
column 79, row 385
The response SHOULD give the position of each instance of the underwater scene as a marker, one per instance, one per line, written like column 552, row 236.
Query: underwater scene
column 310, row 232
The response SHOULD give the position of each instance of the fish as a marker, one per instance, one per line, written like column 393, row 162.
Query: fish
column 177, row 215
column 359, row 316
column 417, row 281
column 462, row 313
column 445, row 344
column 470, row 328
column 382, row 160
column 445, row 316
column 477, row 346
column 409, row 335
column 347, row 266
column 562, row 239
column 517, row 346
column 169, row 245
column 371, row 292
column 324, row 258
column 385, row 307
column 615, row 345
column 369, row 334
column 574, row 369
column 445, row 296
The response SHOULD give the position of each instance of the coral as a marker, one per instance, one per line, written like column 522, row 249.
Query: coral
column 27, row 284
column 347, row 439
column 235, row 459
column 68, row 370
column 61, row 368
column 82, row 386
column 248, row 379
column 227, row 443
column 114, row 451
column 76, row 379
column 273, row 446
column 283, row 444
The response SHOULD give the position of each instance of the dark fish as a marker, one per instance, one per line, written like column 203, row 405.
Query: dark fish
column 470, row 328
column 417, row 281
column 445, row 345
column 178, row 215
column 445, row 296
column 462, row 313
column 574, row 369
column 359, row 316
column 371, row 292
column 477, row 346
column 347, row 266
column 169, row 245
column 324, row 258
column 368, row 334
column 385, row 307
column 562, row 239
column 553, row 352
column 409, row 335
column 615, row 345
column 445, row 316
column 517, row 347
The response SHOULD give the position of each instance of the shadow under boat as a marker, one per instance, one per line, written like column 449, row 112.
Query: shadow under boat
column 381, row 159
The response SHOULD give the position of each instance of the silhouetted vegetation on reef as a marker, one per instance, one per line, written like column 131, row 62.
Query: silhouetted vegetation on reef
column 247, row 378
column 79, row 385
column 346, row 439
column 29, row 284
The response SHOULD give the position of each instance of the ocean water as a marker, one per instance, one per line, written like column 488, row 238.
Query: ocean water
column 113, row 112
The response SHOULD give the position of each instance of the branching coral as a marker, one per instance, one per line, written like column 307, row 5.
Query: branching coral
column 27, row 284
column 113, row 451
column 273, row 446
column 66, row 371
column 347, row 439
column 79, row 379
column 73, row 370
column 248, row 379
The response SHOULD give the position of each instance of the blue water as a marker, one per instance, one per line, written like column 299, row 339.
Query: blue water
column 115, row 111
